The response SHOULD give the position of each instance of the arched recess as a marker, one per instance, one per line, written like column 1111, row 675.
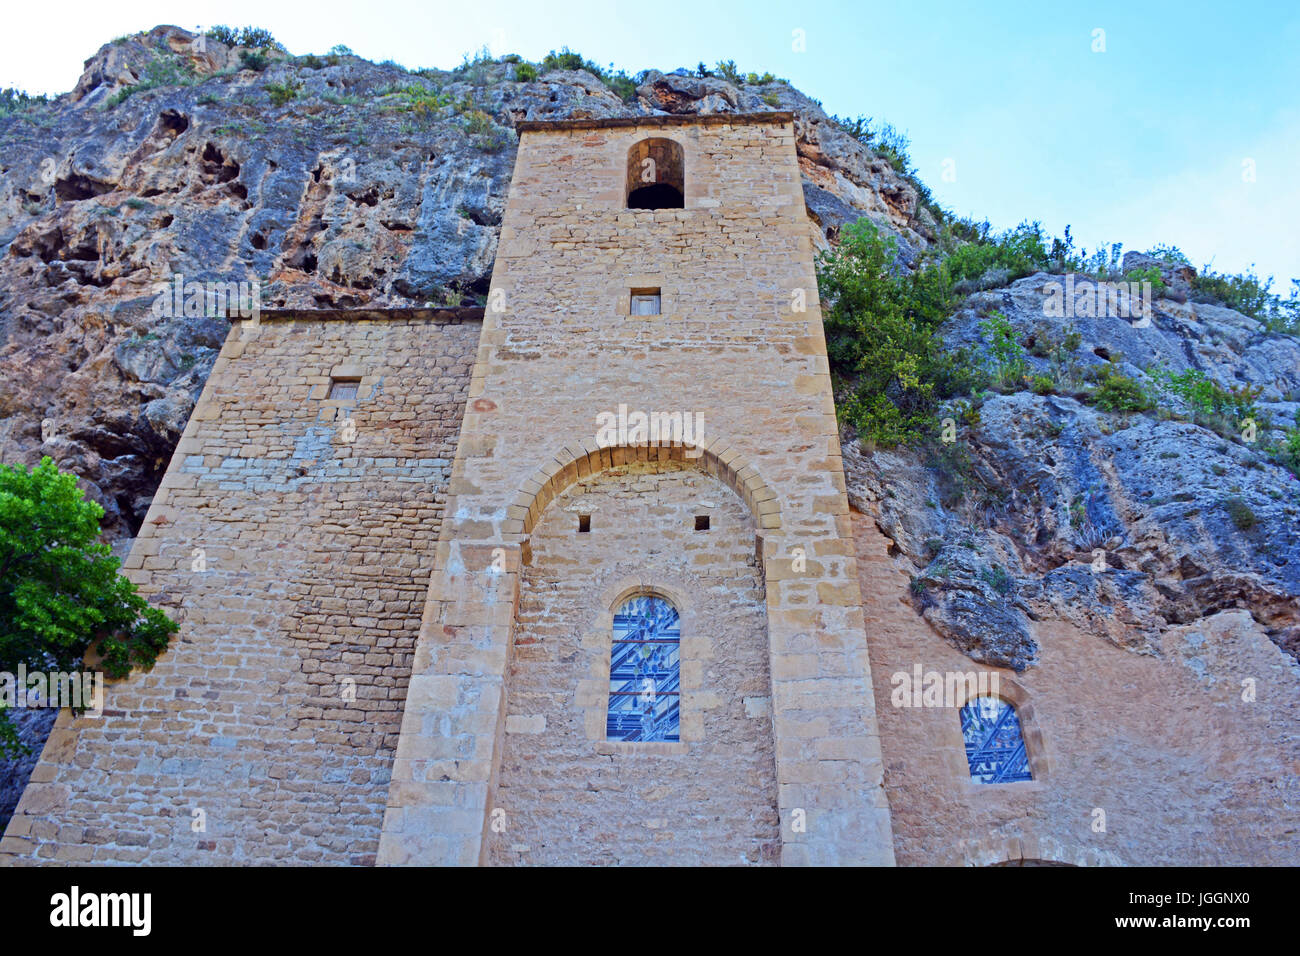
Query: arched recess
column 1029, row 850
column 656, row 175
column 559, row 756
column 575, row 462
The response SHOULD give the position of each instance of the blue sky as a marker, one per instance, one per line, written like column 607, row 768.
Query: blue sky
column 1153, row 140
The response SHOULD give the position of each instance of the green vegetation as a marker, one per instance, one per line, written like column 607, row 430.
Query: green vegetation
column 1117, row 392
column 477, row 69
column 618, row 81
column 254, row 60
column 979, row 258
column 282, row 93
column 525, row 72
column 60, row 593
column 1240, row 513
column 1245, row 293
column 998, row 578
column 477, row 121
column 892, row 371
column 884, row 140
column 891, row 368
column 13, row 100
column 427, row 104
column 880, row 329
column 165, row 69
column 1063, row 358
column 254, row 38
column 1009, row 366
column 1212, row 405
column 1150, row 274
column 892, row 145
column 566, row 59
column 1287, row 452
column 727, row 70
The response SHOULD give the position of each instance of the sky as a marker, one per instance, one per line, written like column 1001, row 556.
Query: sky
column 1172, row 123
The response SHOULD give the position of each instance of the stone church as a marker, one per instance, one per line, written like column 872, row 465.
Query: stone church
column 573, row 578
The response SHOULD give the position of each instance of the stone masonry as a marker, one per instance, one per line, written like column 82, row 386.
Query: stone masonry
column 395, row 541
column 632, row 802
column 1137, row 760
column 296, row 562
column 738, row 343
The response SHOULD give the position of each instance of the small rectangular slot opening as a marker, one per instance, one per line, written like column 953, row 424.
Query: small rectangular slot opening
column 344, row 389
column 645, row 302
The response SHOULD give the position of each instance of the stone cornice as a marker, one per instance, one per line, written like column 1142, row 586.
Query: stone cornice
column 667, row 119
column 444, row 315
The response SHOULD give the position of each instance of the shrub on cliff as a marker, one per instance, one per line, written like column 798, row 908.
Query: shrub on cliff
column 618, row 81
column 254, row 38
column 1117, row 392
column 14, row 100
column 60, row 592
column 881, row 324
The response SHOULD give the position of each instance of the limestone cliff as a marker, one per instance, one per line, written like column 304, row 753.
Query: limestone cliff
column 1125, row 525
column 337, row 182
column 367, row 184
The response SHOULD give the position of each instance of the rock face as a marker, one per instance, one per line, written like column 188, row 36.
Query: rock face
column 367, row 184
column 1123, row 525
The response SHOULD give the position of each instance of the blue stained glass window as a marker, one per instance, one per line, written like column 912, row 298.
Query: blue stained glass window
column 645, row 671
column 995, row 747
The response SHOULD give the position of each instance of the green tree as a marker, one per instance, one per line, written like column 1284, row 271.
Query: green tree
column 60, row 592
column 881, row 335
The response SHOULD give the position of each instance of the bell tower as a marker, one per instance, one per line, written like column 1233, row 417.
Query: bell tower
column 643, row 640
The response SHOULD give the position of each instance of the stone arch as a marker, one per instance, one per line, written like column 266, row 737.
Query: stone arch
column 578, row 461
column 557, row 686
column 631, row 586
column 1017, row 695
column 1030, row 851
column 656, row 174
column 1036, row 749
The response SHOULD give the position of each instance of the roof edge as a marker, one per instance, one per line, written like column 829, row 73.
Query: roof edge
column 446, row 314
column 664, row 119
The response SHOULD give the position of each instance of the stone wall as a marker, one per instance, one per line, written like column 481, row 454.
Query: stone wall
column 569, row 796
column 33, row 727
column 292, row 538
column 739, row 343
column 1184, row 770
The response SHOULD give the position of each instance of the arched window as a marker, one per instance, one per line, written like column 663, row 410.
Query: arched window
column 995, row 747
column 655, row 175
column 645, row 671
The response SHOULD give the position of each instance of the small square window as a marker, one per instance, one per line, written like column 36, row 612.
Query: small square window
column 344, row 388
column 584, row 524
column 701, row 522
column 645, row 302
